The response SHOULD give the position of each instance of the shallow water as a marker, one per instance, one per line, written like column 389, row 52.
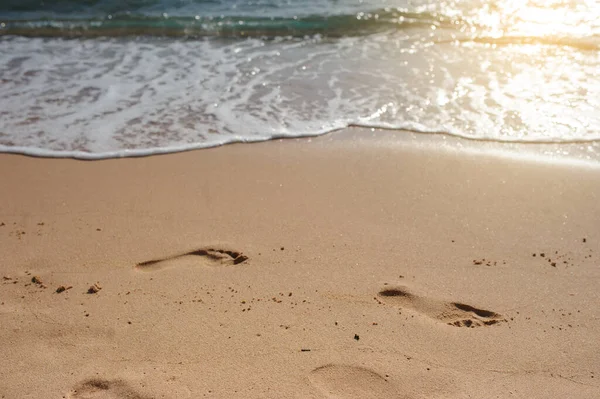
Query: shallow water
column 129, row 78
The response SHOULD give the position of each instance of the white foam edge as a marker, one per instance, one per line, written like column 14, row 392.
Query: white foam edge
column 406, row 128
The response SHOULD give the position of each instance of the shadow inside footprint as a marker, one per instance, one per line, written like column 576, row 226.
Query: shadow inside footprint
column 395, row 292
column 452, row 313
column 213, row 256
column 479, row 312
column 97, row 388
column 350, row 382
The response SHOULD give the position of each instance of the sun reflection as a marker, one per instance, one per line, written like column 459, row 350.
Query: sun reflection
column 542, row 19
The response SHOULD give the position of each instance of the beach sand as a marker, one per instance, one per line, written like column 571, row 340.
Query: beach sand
column 311, row 268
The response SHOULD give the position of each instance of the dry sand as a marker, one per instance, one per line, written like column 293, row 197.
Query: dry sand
column 373, row 270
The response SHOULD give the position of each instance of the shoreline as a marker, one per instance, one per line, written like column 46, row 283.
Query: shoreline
column 583, row 152
column 375, row 268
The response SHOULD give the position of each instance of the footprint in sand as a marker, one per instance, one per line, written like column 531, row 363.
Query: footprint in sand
column 105, row 389
column 349, row 382
column 208, row 255
column 452, row 313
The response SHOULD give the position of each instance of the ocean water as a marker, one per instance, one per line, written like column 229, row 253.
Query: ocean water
column 107, row 78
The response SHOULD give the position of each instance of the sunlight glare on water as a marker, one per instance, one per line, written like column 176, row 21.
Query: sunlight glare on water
column 538, row 19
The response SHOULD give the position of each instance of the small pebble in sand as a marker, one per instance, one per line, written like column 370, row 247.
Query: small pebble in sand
column 36, row 280
column 94, row 289
column 62, row 288
column 356, row 337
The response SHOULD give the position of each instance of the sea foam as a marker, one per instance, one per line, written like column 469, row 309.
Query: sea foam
column 131, row 95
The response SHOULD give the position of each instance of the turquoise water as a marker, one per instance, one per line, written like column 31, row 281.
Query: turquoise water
column 273, row 18
column 228, row 18
column 101, row 78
